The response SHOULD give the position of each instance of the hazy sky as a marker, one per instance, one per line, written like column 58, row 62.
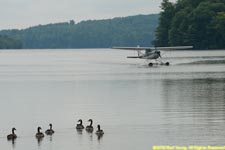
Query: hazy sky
column 26, row 13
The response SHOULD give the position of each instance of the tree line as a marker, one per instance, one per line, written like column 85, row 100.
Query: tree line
column 7, row 42
column 200, row 23
column 123, row 31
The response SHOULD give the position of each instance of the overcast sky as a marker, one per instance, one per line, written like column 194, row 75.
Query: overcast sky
column 26, row 13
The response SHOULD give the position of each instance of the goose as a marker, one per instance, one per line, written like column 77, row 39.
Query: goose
column 50, row 131
column 80, row 125
column 39, row 134
column 90, row 128
column 99, row 132
column 12, row 136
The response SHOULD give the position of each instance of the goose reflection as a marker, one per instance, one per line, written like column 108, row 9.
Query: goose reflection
column 99, row 137
column 50, row 138
column 13, row 142
column 79, row 131
column 39, row 141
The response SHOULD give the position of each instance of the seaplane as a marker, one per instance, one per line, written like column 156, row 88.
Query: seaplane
column 152, row 54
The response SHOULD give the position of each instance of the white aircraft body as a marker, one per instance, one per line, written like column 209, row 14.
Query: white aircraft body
column 152, row 53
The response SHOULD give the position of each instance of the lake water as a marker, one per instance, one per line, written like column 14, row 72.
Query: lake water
column 137, row 106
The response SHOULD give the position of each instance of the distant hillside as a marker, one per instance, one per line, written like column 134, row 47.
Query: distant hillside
column 7, row 42
column 125, row 31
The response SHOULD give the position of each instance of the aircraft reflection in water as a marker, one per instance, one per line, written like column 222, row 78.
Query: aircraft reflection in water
column 152, row 54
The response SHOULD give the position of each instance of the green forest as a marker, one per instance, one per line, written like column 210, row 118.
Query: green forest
column 200, row 23
column 124, row 31
column 7, row 42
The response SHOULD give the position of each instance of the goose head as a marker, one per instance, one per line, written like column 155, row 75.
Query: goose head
column 13, row 130
column 91, row 121
column 98, row 126
column 38, row 129
column 80, row 121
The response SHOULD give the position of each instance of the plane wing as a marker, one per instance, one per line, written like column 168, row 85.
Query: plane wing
column 134, row 48
column 154, row 48
column 175, row 48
